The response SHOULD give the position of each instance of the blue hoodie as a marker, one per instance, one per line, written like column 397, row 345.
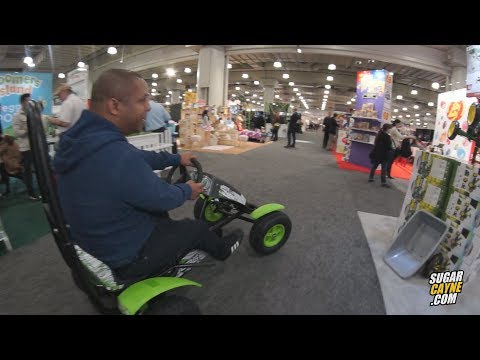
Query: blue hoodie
column 108, row 190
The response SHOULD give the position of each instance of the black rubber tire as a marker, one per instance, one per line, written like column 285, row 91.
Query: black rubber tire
column 197, row 210
column 172, row 305
column 264, row 224
column 432, row 265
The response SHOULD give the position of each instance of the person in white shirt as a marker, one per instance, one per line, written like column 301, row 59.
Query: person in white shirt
column 71, row 109
column 397, row 139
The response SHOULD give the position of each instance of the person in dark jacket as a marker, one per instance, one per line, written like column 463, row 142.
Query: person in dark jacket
column 276, row 122
column 329, row 129
column 292, row 128
column 381, row 153
column 115, row 204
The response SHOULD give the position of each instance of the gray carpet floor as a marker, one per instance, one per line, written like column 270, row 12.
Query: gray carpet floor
column 325, row 268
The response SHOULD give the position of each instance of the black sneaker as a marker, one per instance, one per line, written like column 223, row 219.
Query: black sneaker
column 233, row 241
column 370, row 180
column 386, row 185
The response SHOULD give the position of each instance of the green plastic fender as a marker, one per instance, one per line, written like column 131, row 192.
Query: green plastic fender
column 138, row 294
column 265, row 209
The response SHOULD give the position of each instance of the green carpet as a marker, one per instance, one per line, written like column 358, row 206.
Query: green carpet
column 23, row 219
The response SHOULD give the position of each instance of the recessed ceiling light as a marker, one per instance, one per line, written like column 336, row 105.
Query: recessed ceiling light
column 332, row 67
column 27, row 60
column 171, row 72
column 431, row 104
column 286, row 76
column 245, row 76
column 256, row 82
column 81, row 64
column 399, row 97
column 229, row 66
column 329, row 78
column 435, row 85
column 61, row 75
column 112, row 50
column 291, row 83
column 277, row 64
column 187, row 70
column 154, row 75
column 328, row 87
column 414, row 92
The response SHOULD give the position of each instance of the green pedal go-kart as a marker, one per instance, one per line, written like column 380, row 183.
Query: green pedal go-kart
column 221, row 203
column 110, row 295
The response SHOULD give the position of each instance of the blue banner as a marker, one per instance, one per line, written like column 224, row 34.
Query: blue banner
column 13, row 85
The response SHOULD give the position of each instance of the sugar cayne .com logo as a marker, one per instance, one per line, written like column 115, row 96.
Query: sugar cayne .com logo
column 445, row 287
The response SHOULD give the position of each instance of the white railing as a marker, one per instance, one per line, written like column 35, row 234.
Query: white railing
column 153, row 141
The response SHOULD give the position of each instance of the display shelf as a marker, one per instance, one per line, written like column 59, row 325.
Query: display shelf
column 365, row 142
column 360, row 149
column 368, row 130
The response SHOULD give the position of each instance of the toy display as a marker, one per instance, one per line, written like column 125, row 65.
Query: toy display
column 450, row 190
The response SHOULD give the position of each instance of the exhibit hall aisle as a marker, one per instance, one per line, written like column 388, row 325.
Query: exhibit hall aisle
column 326, row 267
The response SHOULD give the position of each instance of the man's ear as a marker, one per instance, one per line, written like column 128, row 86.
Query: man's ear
column 112, row 106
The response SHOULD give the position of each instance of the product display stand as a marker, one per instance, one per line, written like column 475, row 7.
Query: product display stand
column 362, row 137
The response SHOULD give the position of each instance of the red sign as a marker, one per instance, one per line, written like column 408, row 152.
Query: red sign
column 455, row 110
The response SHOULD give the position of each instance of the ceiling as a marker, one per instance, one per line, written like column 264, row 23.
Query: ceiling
column 307, row 70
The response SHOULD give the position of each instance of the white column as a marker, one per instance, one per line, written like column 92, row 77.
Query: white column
column 458, row 78
column 175, row 96
column 212, row 75
column 457, row 60
column 268, row 92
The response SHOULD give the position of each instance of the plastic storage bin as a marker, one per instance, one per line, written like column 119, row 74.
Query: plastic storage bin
column 415, row 244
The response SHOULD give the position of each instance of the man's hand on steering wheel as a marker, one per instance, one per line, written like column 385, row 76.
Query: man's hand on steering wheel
column 186, row 159
column 197, row 189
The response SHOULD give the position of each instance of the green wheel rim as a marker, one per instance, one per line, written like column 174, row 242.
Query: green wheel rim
column 274, row 235
column 210, row 214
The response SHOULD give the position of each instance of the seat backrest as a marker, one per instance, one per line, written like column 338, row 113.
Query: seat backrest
column 46, row 182
column 88, row 267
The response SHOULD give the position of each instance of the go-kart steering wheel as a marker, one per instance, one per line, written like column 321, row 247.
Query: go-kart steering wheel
column 184, row 175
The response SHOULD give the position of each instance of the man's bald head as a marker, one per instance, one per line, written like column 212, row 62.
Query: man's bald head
column 113, row 83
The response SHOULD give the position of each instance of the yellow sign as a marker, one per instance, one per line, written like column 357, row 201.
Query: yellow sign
column 190, row 97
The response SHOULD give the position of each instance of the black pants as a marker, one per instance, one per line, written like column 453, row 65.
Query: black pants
column 392, row 155
column 27, row 174
column 169, row 242
column 326, row 134
column 383, row 175
column 275, row 133
column 291, row 137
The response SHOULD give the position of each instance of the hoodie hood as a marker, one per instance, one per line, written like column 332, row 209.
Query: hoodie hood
column 87, row 136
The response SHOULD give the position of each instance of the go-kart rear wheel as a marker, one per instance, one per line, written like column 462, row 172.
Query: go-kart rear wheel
column 172, row 305
column 270, row 232
column 210, row 215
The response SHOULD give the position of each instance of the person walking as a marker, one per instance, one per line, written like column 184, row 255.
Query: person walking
column 292, row 128
column 380, row 154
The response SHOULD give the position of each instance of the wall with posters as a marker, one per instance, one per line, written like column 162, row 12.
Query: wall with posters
column 13, row 85
column 451, row 106
column 374, row 94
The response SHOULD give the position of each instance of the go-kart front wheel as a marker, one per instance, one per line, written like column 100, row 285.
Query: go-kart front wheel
column 210, row 215
column 270, row 232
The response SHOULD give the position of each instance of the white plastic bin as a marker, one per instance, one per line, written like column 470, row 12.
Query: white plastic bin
column 415, row 244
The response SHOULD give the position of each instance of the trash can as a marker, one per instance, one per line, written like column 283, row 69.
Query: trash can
column 415, row 244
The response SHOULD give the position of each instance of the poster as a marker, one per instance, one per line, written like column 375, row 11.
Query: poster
column 374, row 94
column 473, row 71
column 453, row 106
column 13, row 85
